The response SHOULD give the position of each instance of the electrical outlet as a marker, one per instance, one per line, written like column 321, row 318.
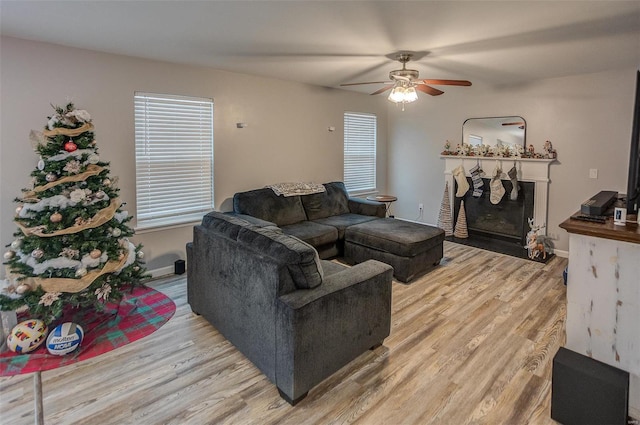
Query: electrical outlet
column 420, row 207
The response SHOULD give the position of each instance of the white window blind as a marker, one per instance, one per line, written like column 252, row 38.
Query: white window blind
column 359, row 152
column 174, row 159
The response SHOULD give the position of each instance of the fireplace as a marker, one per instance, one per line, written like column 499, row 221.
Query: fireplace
column 502, row 227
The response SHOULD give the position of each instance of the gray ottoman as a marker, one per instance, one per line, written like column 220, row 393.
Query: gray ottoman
column 411, row 248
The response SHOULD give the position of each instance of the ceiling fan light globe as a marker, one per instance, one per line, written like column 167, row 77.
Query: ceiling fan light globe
column 410, row 95
column 396, row 95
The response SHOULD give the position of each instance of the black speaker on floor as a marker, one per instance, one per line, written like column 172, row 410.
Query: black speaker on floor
column 585, row 391
column 179, row 267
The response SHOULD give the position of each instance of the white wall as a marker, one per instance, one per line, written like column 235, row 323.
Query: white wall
column 286, row 138
column 587, row 117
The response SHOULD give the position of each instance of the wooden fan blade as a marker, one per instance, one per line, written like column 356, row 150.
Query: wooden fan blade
column 382, row 90
column 429, row 90
column 513, row 123
column 371, row 82
column 448, row 82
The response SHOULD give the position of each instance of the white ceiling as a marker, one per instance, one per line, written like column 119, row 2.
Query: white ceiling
column 331, row 42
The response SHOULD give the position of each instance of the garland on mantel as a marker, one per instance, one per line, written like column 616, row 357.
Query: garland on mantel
column 500, row 151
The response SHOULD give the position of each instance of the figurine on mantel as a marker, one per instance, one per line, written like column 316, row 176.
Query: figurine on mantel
column 549, row 152
column 447, row 149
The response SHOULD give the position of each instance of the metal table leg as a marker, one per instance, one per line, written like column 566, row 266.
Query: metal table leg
column 37, row 398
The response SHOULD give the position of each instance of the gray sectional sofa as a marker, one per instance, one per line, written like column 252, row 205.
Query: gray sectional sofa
column 297, row 318
column 320, row 219
column 259, row 275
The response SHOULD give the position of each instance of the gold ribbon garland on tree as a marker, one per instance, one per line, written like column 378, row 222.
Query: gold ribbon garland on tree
column 101, row 217
column 59, row 284
column 91, row 170
column 71, row 132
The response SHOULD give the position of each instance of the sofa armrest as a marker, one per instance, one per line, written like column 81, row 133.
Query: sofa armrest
column 337, row 282
column 364, row 207
column 320, row 330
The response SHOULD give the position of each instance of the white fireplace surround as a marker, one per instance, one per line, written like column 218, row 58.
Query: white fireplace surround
column 529, row 170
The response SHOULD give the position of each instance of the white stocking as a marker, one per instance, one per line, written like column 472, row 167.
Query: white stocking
column 461, row 179
column 497, row 189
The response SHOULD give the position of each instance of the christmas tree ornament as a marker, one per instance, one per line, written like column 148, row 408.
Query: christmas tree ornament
column 51, row 177
column 96, row 253
column 513, row 176
column 140, row 254
column 497, row 189
column 9, row 255
column 40, row 164
column 100, row 194
column 106, row 182
column 70, row 146
column 27, row 336
column 81, row 272
column 444, row 218
column 72, row 167
column 16, row 244
column 56, row 217
column 37, row 253
column 461, row 223
column 18, row 209
column 461, row 179
column 93, row 158
column 23, row 288
column 116, row 232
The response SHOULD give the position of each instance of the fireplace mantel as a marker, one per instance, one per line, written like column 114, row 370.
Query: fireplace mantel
column 529, row 169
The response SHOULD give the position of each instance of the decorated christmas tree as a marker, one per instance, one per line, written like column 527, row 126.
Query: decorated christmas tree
column 71, row 247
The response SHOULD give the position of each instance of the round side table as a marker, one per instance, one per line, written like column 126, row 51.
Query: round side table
column 386, row 199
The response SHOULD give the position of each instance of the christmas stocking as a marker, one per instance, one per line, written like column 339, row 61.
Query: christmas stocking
column 497, row 189
column 477, row 181
column 461, row 179
column 513, row 175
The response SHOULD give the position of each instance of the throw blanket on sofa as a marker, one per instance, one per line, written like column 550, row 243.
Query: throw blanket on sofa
column 294, row 189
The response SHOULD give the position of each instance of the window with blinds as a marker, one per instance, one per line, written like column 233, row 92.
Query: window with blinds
column 359, row 152
column 174, row 159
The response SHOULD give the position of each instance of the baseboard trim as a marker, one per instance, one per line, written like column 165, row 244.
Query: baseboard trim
column 561, row 253
column 160, row 272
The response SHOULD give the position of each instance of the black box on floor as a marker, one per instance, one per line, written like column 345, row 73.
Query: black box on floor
column 585, row 391
column 179, row 267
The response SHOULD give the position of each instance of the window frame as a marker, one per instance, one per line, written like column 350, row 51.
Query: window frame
column 353, row 141
column 170, row 174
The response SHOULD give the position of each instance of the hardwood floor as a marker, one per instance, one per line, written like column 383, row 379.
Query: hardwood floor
column 471, row 342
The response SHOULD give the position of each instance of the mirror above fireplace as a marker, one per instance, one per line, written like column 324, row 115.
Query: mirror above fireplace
column 492, row 131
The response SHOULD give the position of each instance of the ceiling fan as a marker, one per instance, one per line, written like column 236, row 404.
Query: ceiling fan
column 404, row 83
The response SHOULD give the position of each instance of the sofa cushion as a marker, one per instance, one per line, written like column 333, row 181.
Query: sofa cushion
column 224, row 224
column 342, row 221
column 266, row 205
column 334, row 201
column 301, row 259
column 312, row 233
